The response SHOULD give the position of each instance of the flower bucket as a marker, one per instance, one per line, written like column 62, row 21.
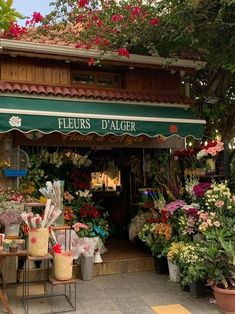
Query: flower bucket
column 197, row 289
column 174, row 272
column 38, row 242
column 87, row 267
column 12, row 231
column 161, row 266
column 63, row 265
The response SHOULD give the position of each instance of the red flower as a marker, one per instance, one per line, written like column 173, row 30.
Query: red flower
column 117, row 18
column 123, row 52
column 15, row 30
column 154, row 21
column 173, row 128
column 37, row 17
column 82, row 3
column 91, row 62
column 136, row 11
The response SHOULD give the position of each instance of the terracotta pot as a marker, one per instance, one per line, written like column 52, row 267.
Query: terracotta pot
column 225, row 300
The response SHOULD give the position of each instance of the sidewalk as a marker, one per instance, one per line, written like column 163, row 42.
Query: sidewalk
column 130, row 293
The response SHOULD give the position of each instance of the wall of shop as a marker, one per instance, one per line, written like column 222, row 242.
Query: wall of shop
column 60, row 73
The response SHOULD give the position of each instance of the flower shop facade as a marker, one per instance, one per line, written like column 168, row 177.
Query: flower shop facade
column 53, row 104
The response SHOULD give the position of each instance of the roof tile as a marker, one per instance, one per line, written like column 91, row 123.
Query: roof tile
column 95, row 93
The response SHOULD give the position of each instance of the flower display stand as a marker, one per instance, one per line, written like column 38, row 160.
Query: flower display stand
column 50, row 285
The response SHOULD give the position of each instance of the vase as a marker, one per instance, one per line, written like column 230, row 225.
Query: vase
column 86, row 267
column 197, row 289
column 38, row 242
column 161, row 266
column 12, row 231
column 174, row 271
column 63, row 265
column 225, row 299
column 210, row 165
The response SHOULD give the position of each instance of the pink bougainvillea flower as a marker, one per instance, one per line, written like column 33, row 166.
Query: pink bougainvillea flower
column 37, row 17
column 91, row 62
column 154, row 21
column 136, row 11
column 117, row 18
column 123, row 52
column 82, row 3
column 219, row 204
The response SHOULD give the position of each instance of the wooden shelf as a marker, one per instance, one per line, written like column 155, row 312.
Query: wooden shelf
column 17, row 253
column 39, row 258
column 55, row 282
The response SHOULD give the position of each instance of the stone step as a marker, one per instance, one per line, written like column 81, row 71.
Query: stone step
column 108, row 267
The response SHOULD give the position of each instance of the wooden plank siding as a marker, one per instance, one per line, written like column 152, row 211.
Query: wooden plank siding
column 155, row 80
column 59, row 73
column 38, row 71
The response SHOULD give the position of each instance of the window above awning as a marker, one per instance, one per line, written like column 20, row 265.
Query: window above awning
column 65, row 116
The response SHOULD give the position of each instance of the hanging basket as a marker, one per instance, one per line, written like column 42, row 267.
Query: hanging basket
column 14, row 172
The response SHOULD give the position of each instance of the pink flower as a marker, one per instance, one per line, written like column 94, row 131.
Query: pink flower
column 82, row 3
column 123, row 52
column 79, row 225
column 117, row 18
column 91, row 62
column 37, row 17
column 136, row 11
column 233, row 198
column 219, row 204
column 212, row 151
column 154, row 21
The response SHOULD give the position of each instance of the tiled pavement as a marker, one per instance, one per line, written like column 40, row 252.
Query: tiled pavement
column 129, row 293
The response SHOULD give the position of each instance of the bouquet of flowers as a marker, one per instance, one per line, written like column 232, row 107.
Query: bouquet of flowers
column 157, row 237
column 219, row 199
column 84, row 210
column 212, row 148
column 11, row 206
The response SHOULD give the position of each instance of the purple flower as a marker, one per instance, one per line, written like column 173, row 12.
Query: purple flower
column 171, row 207
column 192, row 211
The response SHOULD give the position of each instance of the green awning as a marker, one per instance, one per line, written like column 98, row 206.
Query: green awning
column 65, row 116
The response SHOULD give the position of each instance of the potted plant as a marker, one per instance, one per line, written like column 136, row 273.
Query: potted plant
column 193, row 268
column 11, row 206
column 220, row 245
column 173, row 260
column 157, row 237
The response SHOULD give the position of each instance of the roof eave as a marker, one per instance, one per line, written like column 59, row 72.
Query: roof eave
column 39, row 48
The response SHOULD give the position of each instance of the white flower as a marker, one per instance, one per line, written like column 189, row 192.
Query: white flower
column 15, row 121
